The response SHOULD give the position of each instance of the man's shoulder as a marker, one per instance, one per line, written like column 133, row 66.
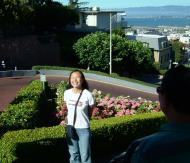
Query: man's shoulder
column 139, row 146
column 163, row 145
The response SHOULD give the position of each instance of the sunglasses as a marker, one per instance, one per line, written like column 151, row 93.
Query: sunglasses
column 159, row 90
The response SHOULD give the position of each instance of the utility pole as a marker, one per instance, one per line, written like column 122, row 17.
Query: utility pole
column 110, row 63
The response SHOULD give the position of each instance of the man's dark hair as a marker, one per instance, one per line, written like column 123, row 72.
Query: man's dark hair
column 176, row 87
column 84, row 84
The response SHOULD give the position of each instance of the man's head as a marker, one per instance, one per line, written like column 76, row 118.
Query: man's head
column 175, row 89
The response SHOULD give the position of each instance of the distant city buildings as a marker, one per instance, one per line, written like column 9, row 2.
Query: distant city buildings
column 181, row 34
column 157, row 39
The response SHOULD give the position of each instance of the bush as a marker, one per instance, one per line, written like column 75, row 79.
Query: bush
column 26, row 109
column 49, row 144
column 61, row 87
column 22, row 115
column 34, row 145
column 33, row 91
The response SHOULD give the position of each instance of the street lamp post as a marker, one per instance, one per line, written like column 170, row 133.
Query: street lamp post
column 110, row 63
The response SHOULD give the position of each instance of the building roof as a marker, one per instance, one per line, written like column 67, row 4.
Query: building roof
column 154, row 41
column 93, row 10
column 151, row 36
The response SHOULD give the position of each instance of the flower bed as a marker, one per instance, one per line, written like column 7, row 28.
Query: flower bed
column 107, row 106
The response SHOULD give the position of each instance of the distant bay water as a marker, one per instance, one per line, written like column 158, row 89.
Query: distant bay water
column 159, row 21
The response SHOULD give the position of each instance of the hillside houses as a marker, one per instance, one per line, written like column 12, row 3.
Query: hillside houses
column 159, row 46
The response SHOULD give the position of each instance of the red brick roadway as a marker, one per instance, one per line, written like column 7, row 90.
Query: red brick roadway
column 9, row 86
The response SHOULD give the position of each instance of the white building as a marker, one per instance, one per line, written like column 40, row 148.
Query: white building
column 185, row 39
column 173, row 36
column 94, row 19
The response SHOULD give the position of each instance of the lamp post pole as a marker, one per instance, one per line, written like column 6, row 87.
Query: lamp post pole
column 110, row 63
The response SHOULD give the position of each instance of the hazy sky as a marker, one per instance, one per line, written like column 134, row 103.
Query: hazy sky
column 131, row 3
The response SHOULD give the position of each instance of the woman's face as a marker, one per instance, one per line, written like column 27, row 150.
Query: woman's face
column 76, row 80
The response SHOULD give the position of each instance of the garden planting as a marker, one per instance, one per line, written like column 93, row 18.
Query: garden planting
column 107, row 106
column 35, row 116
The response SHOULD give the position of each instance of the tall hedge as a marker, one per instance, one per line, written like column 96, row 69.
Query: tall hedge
column 49, row 144
column 26, row 109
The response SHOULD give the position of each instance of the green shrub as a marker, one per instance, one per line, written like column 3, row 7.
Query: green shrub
column 49, row 144
column 61, row 87
column 113, row 134
column 31, row 92
column 34, row 145
column 21, row 115
column 26, row 109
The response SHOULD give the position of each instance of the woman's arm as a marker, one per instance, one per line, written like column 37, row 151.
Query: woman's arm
column 90, row 111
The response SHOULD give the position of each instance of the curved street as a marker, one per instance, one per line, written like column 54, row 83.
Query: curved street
column 9, row 86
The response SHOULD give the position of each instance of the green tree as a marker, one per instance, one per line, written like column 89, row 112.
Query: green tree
column 139, row 58
column 38, row 3
column 119, row 31
column 177, row 47
column 130, row 56
column 14, row 13
column 93, row 49
column 75, row 4
column 43, row 14
column 54, row 15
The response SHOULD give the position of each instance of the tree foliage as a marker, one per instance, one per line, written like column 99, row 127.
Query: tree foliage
column 93, row 51
column 119, row 31
column 14, row 12
column 178, row 51
column 54, row 15
column 38, row 3
column 76, row 4
column 42, row 14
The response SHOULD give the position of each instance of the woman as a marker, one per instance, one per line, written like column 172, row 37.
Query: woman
column 78, row 98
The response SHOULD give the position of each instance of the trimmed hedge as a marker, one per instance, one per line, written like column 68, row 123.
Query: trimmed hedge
column 49, row 144
column 26, row 109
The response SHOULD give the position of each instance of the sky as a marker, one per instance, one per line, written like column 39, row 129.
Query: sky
column 130, row 3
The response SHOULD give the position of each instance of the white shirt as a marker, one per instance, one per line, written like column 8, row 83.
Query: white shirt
column 86, row 100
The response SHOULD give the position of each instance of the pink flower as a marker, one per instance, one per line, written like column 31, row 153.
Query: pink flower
column 95, row 111
column 62, row 123
column 120, row 113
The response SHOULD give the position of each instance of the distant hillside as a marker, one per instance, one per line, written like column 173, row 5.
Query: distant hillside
column 158, row 11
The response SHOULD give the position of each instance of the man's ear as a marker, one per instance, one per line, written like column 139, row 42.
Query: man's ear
column 164, row 103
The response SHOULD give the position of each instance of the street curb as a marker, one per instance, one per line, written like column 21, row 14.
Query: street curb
column 12, row 73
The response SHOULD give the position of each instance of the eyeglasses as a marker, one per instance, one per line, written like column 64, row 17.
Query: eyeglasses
column 159, row 90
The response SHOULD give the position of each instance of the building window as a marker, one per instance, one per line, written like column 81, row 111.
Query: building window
column 164, row 44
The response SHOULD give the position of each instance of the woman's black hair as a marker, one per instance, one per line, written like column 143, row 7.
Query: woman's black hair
column 84, row 82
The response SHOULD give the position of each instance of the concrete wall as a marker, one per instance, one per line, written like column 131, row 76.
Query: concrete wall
column 12, row 73
column 26, row 51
